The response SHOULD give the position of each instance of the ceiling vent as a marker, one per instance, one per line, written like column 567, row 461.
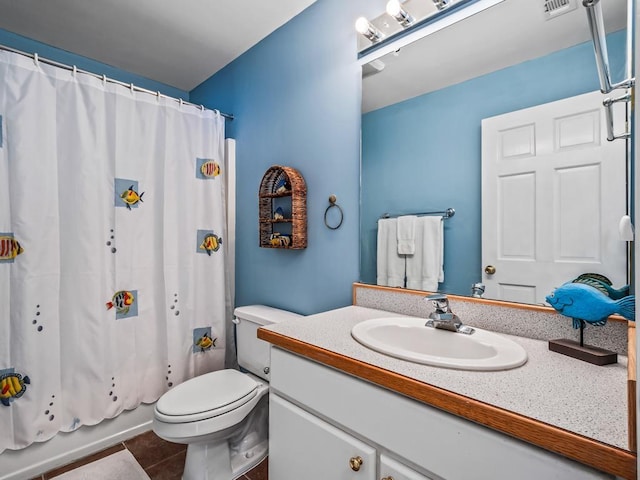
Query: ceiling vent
column 555, row 8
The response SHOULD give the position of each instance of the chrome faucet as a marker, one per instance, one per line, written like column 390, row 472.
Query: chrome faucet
column 477, row 289
column 443, row 317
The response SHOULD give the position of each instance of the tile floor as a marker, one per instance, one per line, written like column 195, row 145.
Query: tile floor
column 160, row 459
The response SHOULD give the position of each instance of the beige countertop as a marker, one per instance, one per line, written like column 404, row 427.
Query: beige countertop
column 554, row 394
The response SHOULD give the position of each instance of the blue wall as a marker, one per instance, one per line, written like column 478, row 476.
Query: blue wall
column 296, row 98
column 27, row 45
column 425, row 153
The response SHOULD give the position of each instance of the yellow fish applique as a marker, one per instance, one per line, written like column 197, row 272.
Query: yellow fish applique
column 9, row 248
column 205, row 342
column 210, row 169
column 211, row 243
column 131, row 197
column 122, row 301
column 12, row 385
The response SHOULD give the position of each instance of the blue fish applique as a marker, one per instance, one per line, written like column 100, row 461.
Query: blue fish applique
column 584, row 302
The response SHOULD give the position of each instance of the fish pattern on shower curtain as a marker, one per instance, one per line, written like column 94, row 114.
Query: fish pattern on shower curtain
column 112, row 246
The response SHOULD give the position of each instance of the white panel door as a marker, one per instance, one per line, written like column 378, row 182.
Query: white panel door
column 301, row 446
column 553, row 193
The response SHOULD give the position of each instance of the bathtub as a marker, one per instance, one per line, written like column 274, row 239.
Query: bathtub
column 64, row 448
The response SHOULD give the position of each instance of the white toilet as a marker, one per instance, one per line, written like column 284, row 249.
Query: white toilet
column 223, row 416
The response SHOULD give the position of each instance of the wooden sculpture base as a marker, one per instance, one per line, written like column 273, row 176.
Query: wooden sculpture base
column 586, row 353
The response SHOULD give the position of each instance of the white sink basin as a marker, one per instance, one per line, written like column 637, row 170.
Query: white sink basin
column 408, row 338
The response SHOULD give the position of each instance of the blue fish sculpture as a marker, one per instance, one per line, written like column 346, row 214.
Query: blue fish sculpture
column 603, row 284
column 584, row 302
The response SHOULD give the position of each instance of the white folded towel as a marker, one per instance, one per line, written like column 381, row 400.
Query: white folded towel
column 425, row 267
column 406, row 234
column 390, row 265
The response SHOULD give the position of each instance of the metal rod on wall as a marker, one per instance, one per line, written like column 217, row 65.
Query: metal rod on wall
column 131, row 86
column 448, row 213
column 608, row 110
column 596, row 26
column 598, row 35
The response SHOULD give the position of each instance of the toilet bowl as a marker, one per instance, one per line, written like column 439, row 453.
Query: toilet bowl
column 222, row 416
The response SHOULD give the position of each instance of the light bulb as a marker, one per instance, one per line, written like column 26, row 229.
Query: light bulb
column 365, row 28
column 393, row 7
column 403, row 17
column 362, row 25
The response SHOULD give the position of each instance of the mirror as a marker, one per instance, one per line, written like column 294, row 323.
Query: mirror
column 423, row 108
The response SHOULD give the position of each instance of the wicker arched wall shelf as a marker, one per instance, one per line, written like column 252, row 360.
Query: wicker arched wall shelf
column 283, row 209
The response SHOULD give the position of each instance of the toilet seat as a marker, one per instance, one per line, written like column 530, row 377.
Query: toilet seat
column 206, row 396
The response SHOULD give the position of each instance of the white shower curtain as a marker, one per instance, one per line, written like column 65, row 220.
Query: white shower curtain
column 112, row 248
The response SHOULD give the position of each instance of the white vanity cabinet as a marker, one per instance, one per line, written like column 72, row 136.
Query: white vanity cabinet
column 391, row 469
column 321, row 418
column 304, row 447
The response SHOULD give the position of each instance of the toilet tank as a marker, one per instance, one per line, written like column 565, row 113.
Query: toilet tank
column 254, row 355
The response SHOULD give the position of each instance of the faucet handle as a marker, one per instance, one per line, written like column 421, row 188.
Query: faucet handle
column 439, row 301
column 436, row 296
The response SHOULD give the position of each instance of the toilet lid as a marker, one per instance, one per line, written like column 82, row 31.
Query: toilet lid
column 214, row 393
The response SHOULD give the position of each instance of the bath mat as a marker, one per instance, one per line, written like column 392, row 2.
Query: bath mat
column 119, row 466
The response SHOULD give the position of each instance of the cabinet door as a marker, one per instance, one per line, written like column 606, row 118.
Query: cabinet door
column 391, row 469
column 302, row 446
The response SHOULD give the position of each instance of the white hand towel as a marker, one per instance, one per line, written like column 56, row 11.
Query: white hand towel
column 390, row 264
column 425, row 266
column 406, row 234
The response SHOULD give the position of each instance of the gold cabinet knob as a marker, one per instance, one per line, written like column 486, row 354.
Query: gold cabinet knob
column 489, row 269
column 388, row 478
column 355, row 463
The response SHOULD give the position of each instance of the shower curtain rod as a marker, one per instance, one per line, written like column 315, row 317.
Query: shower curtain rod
column 104, row 78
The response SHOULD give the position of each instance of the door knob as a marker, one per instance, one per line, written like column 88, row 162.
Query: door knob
column 355, row 463
column 489, row 269
column 387, row 478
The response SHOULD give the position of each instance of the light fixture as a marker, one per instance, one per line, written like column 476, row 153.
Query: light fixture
column 441, row 4
column 438, row 18
column 403, row 17
column 372, row 68
column 364, row 27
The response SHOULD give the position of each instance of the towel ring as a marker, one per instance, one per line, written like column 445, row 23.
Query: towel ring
column 332, row 201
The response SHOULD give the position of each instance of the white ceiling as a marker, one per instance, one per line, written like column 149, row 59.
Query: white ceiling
column 179, row 43
column 506, row 34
